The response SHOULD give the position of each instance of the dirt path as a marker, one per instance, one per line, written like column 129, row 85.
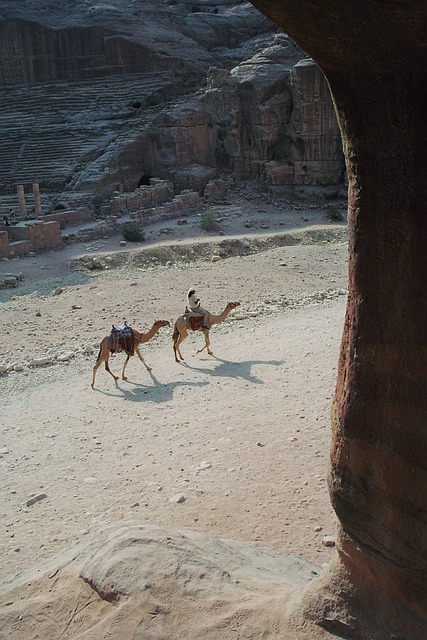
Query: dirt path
column 235, row 444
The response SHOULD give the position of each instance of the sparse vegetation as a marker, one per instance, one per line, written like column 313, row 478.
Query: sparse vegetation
column 208, row 222
column 133, row 232
column 333, row 213
column 97, row 201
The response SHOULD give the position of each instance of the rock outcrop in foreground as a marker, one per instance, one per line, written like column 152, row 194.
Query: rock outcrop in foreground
column 141, row 580
column 378, row 479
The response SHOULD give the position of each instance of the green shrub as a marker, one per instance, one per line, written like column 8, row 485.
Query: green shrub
column 97, row 202
column 208, row 223
column 133, row 232
column 333, row 213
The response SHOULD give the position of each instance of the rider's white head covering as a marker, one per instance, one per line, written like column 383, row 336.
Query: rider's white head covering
column 191, row 291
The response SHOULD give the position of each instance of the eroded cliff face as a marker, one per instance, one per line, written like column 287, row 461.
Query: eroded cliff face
column 98, row 96
column 377, row 589
column 87, row 39
column 270, row 118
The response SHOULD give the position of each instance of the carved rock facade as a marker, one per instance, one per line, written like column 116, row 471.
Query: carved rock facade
column 88, row 98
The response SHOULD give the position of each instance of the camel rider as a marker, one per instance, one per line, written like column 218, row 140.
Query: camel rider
column 193, row 304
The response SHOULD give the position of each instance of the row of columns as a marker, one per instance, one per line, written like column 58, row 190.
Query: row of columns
column 21, row 200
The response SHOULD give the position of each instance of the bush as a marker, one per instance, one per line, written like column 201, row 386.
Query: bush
column 133, row 232
column 333, row 213
column 97, row 201
column 208, row 223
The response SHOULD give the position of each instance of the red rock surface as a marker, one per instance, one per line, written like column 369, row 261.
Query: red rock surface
column 375, row 61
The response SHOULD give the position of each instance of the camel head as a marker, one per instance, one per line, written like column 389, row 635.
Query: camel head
column 232, row 305
column 162, row 323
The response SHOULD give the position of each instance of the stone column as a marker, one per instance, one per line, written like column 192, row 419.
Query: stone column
column 377, row 586
column 21, row 200
column 36, row 194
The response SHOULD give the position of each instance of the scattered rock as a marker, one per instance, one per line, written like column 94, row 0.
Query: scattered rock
column 36, row 498
column 179, row 498
column 38, row 362
column 328, row 541
column 203, row 466
column 66, row 357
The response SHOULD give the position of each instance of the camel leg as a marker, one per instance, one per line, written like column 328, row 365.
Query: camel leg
column 124, row 367
column 102, row 357
column 95, row 369
column 107, row 368
column 181, row 337
column 139, row 354
column 207, row 343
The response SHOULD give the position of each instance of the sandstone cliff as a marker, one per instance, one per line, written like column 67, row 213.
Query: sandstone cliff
column 98, row 98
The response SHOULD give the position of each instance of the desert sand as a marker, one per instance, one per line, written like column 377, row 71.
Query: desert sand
column 233, row 445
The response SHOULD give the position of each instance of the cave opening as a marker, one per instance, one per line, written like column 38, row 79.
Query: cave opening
column 144, row 180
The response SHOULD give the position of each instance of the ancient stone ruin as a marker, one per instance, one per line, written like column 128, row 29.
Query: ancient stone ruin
column 99, row 99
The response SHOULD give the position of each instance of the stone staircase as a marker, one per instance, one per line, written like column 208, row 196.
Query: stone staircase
column 49, row 131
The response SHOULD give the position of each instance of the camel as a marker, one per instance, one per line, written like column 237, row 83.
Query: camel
column 108, row 346
column 183, row 326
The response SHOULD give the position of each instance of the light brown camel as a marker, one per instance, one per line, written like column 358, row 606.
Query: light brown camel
column 108, row 346
column 183, row 326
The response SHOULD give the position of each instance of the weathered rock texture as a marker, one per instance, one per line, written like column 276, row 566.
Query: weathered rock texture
column 187, row 585
column 378, row 473
column 269, row 118
column 99, row 97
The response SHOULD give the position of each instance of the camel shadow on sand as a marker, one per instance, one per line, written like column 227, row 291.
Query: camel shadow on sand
column 158, row 392
column 230, row 369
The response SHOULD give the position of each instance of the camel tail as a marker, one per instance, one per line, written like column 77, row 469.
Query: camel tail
column 99, row 353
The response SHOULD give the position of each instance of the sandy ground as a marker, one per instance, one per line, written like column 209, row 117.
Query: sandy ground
column 235, row 444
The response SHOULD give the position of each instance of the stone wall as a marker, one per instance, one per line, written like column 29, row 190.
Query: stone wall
column 70, row 216
column 181, row 204
column 144, row 197
column 34, row 236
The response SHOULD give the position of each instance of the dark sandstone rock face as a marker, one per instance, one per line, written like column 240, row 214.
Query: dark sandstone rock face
column 269, row 118
column 378, row 478
column 89, row 89
column 84, row 39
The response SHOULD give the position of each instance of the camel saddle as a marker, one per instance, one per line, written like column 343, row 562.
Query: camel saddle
column 195, row 322
column 122, row 339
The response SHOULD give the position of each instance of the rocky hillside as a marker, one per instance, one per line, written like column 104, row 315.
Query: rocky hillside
column 97, row 98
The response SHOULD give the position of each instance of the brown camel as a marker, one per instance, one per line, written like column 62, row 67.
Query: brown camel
column 108, row 345
column 183, row 326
